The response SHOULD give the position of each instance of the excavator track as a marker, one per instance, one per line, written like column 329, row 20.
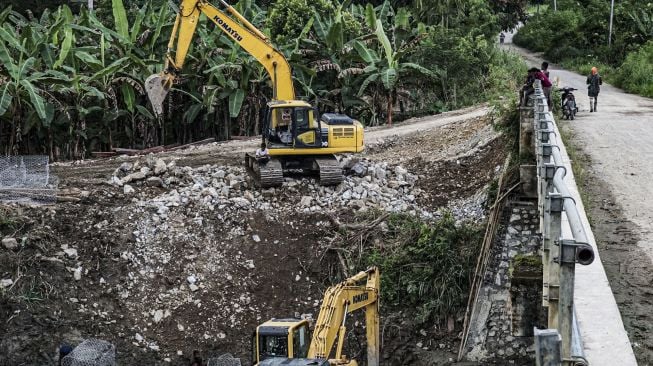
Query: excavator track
column 330, row 171
column 265, row 175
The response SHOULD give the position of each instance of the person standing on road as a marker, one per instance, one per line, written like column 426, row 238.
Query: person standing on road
column 594, row 83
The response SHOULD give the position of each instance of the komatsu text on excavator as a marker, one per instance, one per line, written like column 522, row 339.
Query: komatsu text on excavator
column 285, row 341
column 296, row 136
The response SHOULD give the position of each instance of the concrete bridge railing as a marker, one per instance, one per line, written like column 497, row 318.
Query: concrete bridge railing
column 561, row 343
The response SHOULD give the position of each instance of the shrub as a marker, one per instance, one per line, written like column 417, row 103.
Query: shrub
column 635, row 75
column 430, row 266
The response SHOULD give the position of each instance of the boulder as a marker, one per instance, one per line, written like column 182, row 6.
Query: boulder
column 160, row 167
column 10, row 243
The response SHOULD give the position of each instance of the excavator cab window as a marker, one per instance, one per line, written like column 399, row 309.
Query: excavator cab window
column 271, row 346
column 300, row 342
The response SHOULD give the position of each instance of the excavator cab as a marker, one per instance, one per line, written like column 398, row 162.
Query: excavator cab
column 280, row 339
column 293, row 125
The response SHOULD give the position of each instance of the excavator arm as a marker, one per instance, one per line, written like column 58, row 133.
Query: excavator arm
column 339, row 300
column 241, row 31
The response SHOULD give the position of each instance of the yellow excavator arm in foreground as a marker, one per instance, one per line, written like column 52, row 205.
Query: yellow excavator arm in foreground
column 241, row 31
column 339, row 300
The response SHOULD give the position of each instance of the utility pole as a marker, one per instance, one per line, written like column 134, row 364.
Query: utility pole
column 555, row 5
column 90, row 4
column 611, row 16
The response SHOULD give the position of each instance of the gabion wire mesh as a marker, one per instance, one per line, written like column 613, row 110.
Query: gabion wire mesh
column 224, row 360
column 91, row 352
column 27, row 178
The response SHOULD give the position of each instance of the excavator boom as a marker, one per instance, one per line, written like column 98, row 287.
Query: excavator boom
column 241, row 31
column 339, row 300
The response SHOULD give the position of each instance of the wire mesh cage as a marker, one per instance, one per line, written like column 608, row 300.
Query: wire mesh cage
column 224, row 360
column 27, row 178
column 91, row 352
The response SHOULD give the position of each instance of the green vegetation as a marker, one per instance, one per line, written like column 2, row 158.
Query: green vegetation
column 577, row 37
column 427, row 267
column 71, row 81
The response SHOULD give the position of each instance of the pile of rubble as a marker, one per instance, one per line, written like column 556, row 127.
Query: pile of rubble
column 228, row 188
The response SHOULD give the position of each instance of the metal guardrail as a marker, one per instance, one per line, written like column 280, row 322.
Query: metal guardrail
column 559, row 255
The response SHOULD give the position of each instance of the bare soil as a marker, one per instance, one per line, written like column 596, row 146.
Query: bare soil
column 256, row 268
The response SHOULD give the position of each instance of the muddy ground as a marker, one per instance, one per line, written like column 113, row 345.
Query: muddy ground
column 111, row 266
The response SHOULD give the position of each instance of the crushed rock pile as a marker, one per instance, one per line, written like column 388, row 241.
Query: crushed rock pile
column 226, row 189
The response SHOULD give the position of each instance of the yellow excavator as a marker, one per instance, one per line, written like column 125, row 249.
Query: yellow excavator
column 296, row 136
column 284, row 342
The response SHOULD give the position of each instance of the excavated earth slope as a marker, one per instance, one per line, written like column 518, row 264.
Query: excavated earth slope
column 168, row 253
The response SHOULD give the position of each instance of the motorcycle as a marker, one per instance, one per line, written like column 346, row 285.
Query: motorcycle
column 569, row 107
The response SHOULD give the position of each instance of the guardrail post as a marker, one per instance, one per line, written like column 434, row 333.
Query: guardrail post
column 568, row 258
column 553, row 236
column 546, row 172
column 547, row 347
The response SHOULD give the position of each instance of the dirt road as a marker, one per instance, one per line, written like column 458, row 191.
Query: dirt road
column 615, row 147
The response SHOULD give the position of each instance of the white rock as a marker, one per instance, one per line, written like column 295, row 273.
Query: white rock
column 160, row 167
column 158, row 316
column 71, row 252
column 250, row 263
column 138, row 337
column 256, row 238
column 116, row 181
column 180, row 327
column 6, row 282
column 297, row 278
column 77, row 274
column 153, row 347
column 248, row 196
column 400, row 171
column 306, row 201
column 127, row 189
column 380, row 173
column 193, row 287
column 125, row 167
column 10, row 243
column 191, row 279
column 241, row 202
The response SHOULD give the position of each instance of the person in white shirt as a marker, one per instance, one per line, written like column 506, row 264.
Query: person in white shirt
column 262, row 154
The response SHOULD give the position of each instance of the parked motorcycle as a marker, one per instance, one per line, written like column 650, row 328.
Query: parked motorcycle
column 569, row 107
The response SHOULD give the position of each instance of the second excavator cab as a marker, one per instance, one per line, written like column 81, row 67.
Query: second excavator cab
column 280, row 339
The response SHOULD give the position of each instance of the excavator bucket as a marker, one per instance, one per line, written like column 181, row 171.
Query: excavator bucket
column 156, row 92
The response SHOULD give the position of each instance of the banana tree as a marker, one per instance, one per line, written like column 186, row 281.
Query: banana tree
column 21, row 99
column 384, row 72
